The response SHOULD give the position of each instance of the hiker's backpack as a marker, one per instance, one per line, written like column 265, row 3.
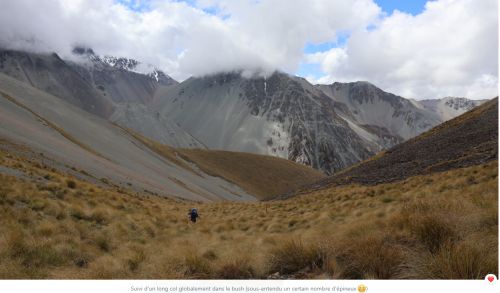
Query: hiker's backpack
column 194, row 212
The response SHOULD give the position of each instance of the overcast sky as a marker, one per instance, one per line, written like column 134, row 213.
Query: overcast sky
column 418, row 50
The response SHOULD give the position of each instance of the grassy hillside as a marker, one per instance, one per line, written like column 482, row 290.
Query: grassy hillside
column 262, row 176
column 431, row 226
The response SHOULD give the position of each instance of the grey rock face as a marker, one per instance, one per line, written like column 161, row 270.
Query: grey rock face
column 450, row 107
column 389, row 115
column 277, row 116
column 319, row 137
column 461, row 103
column 51, row 74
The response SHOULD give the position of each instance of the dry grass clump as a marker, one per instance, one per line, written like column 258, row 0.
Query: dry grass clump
column 30, row 256
column 372, row 255
column 196, row 267
column 189, row 263
column 238, row 268
column 107, row 267
column 462, row 260
column 433, row 231
column 431, row 222
column 292, row 256
column 71, row 184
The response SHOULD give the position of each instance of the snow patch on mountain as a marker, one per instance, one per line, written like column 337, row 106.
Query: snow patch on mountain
column 91, row 59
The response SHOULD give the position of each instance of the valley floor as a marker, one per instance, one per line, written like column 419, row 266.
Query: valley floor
column 434, row 226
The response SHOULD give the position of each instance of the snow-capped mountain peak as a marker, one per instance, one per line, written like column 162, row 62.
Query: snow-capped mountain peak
column 122, row 63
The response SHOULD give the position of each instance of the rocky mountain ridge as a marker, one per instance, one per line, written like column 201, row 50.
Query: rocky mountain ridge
column 328, row 127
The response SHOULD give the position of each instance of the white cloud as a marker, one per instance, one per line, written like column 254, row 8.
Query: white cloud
column 451, row 49
column 184, row 40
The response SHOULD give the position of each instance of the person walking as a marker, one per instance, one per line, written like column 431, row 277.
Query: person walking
column 193, row 215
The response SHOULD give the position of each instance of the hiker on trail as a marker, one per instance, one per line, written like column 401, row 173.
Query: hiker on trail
column 193, row 214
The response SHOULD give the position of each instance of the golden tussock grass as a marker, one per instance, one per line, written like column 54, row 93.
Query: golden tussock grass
column 442, row 225
column 262, row 176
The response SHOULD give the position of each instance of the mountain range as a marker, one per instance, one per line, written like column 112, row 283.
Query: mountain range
column 327, row 127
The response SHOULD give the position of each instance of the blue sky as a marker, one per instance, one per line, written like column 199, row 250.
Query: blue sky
column 409, row 6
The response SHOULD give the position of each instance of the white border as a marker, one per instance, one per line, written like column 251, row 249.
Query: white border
column 267, row 286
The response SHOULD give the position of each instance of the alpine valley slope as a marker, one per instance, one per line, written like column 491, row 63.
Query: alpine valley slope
column 92, row 148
